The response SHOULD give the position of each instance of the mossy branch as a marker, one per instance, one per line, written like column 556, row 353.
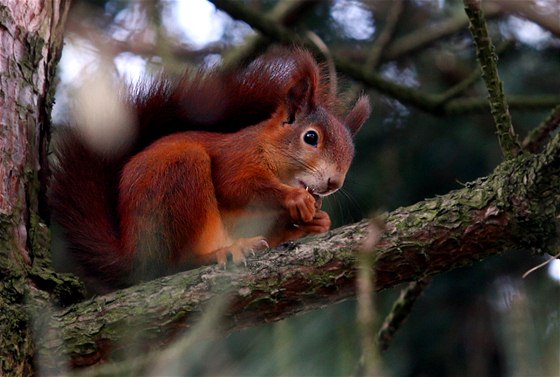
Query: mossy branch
column 515, row 208
column 487, row 59
column 400, row 312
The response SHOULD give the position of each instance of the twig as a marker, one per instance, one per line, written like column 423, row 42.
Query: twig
column 424, row 101
column 521, row 103
column 370, row 363
column 545, row 15
column 333, row 82
column 263, row 23
column 530, row 271
column 537, row 136
column 460, row 87
column 487, row 60
column 470, row 80
column 373, row 59
column 424, row 37
column 286, row 13
column 400, row 312
column 269, row 28
column 393, row 16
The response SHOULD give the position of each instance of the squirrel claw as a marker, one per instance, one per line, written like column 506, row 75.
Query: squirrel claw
column 240, row 249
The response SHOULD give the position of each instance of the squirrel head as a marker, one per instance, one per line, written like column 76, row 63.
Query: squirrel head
column 312, row 146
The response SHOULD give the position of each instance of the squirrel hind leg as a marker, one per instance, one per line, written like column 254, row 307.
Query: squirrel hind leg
column 216, row 245
column 240, row 249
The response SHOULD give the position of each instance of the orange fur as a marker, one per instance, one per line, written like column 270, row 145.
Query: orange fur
column 181, row 196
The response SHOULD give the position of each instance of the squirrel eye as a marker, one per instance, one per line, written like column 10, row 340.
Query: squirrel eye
column 311, row 137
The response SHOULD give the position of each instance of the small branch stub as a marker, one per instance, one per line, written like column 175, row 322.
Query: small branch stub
column 537, row 136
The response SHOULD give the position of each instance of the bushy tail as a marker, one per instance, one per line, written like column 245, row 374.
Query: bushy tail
column 83, row 196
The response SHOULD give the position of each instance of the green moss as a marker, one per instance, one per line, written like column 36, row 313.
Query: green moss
column 5, row 229
column 32, row 56
column 14, row 322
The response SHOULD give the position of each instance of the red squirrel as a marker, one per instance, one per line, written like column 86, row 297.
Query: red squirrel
column 221, row 164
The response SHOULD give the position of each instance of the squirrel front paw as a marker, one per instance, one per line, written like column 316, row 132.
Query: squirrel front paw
column 301, row 205
column 320, row 223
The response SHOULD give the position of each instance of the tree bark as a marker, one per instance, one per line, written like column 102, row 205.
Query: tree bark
column 31, row 41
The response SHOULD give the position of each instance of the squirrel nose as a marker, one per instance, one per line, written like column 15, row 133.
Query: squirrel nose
column 334, row 183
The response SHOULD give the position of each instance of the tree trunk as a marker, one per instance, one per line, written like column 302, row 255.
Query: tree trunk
column 30, row 45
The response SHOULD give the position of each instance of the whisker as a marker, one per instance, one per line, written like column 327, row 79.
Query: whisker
column 300, row 163
column 352, row 206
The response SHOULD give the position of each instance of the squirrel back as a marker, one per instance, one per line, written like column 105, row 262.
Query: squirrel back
column 239, row 124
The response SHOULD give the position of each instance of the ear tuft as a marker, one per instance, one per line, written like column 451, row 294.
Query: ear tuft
column 358, row 115
column 299, row 96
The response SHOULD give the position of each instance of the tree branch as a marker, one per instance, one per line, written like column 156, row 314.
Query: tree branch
column 267, row 27
column 479, row 104
column 545, row 15
column 432, row 103
column 285, row 13
column 426, row 36
column 487, row 58
column 537, row 136
column 470, row 80
column 514, row 208
column 400, row 312
column 375, row 54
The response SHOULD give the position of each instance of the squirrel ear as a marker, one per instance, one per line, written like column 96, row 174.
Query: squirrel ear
column 299, row 96
column 358, row 115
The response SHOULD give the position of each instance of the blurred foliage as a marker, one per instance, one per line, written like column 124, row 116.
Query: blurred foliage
column 468, row 321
